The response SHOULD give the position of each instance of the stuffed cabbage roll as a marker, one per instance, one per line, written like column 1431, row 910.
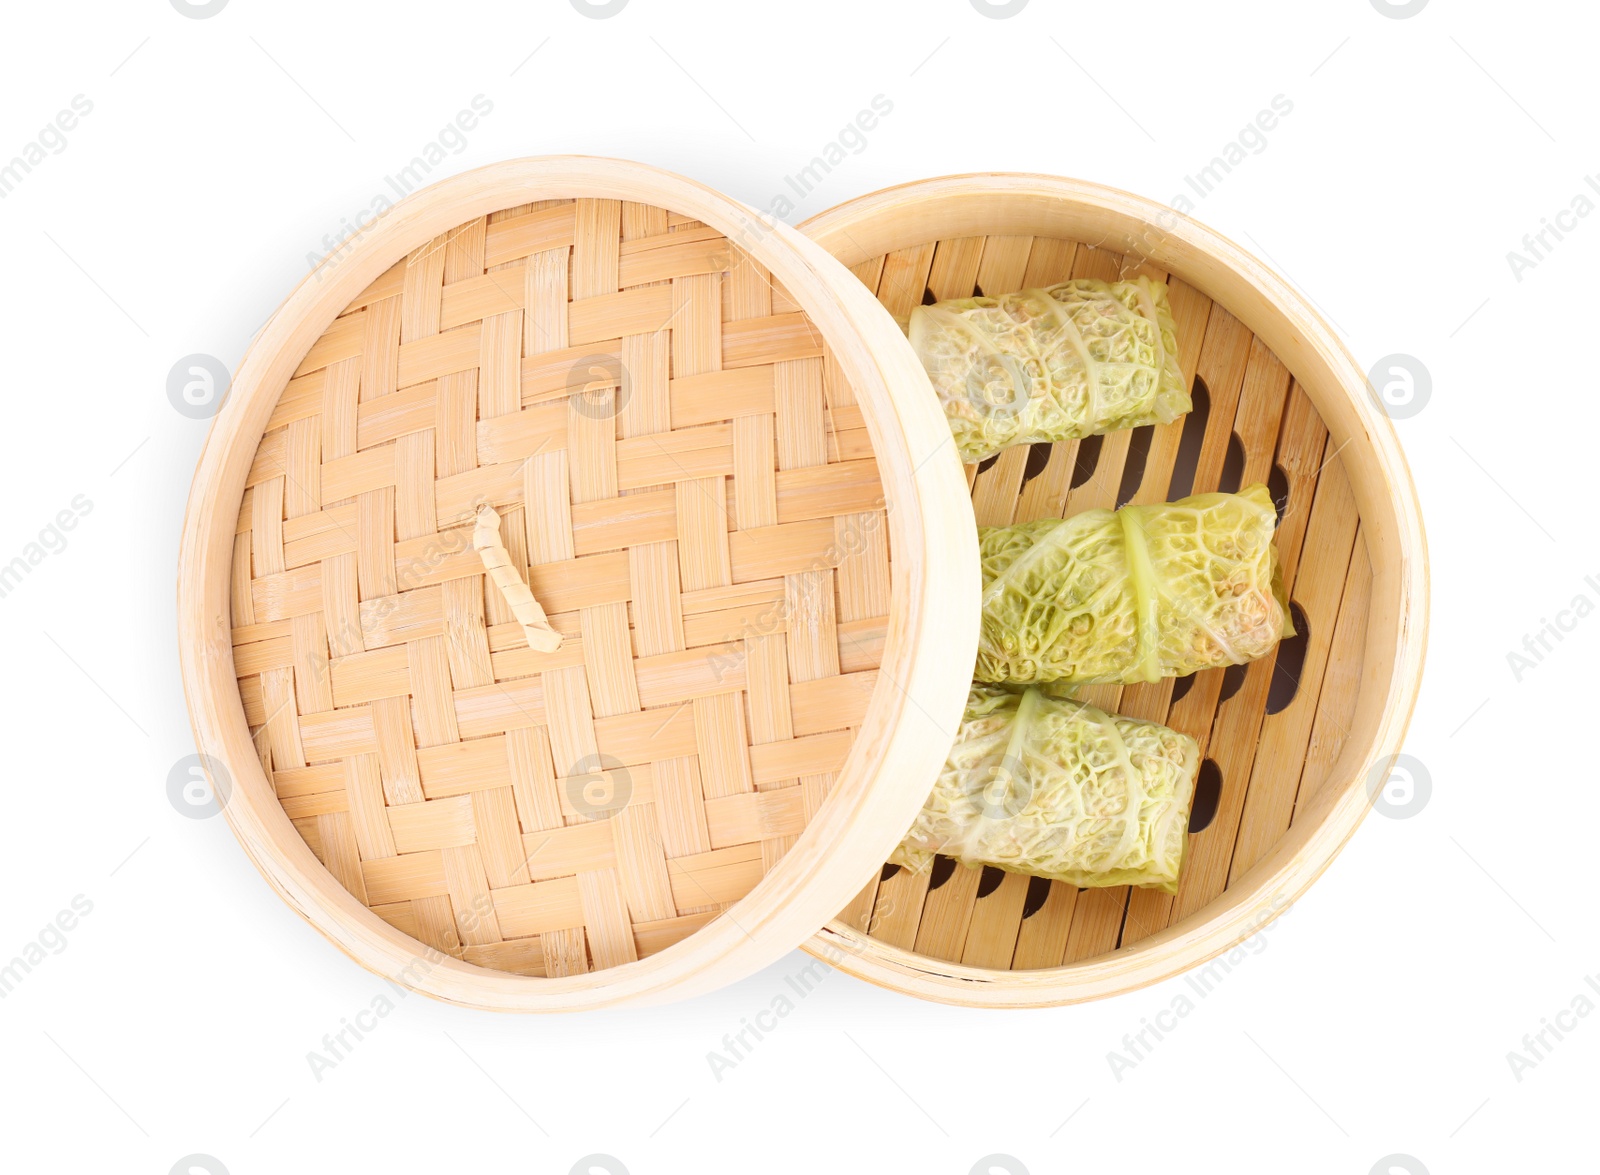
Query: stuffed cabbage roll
column 1054, row 788
column 1076, row 359
column 1138, row 594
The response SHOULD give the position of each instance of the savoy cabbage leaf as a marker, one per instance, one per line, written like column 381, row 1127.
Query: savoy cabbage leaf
column 1079, row 358
column 1051, row 787
column 1136, row 594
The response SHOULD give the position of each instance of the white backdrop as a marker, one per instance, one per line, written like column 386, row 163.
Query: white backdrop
column 200, row 161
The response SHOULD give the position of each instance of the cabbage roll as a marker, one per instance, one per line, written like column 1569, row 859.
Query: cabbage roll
column 1052, row 787
column 1137, row 594
column 1076, row 359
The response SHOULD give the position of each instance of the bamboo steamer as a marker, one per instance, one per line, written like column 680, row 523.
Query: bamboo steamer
column 1291, row 741
column 715, row 461
column 720, row 469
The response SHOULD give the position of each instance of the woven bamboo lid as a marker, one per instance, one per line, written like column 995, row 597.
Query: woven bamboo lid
column 716, row 463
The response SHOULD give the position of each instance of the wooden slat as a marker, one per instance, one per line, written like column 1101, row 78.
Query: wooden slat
column 1316, row 583
column 1341, row 682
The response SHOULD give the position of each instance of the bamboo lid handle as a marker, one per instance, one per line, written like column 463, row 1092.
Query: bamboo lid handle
column 497, row 562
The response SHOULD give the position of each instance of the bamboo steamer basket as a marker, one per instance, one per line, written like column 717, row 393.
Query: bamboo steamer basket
column 1291, row 741
column 717, row 465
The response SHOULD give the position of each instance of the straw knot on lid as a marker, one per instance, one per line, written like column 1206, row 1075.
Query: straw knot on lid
column 519, row 596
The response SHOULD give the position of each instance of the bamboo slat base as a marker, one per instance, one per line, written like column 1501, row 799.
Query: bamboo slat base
column 1270, row 732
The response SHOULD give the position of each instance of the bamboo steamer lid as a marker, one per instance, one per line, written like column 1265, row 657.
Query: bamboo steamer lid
column 714, row 460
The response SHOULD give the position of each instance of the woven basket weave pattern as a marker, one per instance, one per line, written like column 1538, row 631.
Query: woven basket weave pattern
column 687, row 481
